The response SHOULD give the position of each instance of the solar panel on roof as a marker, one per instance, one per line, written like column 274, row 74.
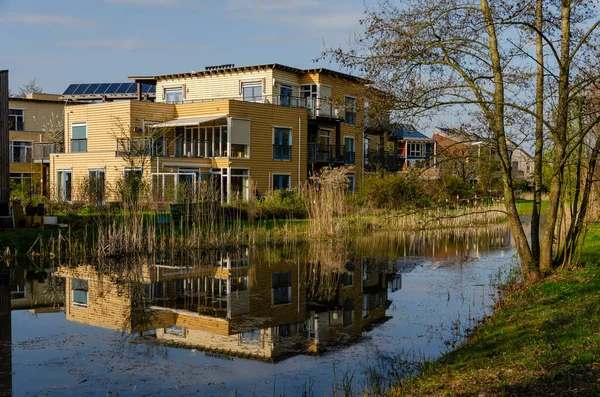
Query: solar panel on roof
column 70, row 89
column 81, row 89
column 132, row 88
column 102, row 89
column 91, row 89
column 151, row 89
column 112, row 88
column 122, row 88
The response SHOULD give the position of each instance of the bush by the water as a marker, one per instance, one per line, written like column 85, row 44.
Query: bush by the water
column 282, row 204
column 395, row 191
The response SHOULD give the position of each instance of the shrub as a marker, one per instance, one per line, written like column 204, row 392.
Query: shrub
column 395, row 191
column 282, row 204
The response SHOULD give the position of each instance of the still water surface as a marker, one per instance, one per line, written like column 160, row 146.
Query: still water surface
column 311, row 319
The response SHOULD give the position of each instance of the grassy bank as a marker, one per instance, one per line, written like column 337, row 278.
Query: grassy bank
column 525, row 207
column 543, row 340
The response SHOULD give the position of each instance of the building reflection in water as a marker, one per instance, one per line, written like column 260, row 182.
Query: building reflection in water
column 261, row 303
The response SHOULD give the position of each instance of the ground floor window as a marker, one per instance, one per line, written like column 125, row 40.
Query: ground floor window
column 240, row 184
column 281, row 181
column 64, row 183
column 350, row 183
column 23, row 186
column 96, row 185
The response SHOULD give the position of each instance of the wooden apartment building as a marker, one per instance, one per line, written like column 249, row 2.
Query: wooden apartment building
column 247, row 130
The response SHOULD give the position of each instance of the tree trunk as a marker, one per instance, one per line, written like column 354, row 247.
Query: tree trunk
column 497, row 123
column 539, row 136
column 547, row 261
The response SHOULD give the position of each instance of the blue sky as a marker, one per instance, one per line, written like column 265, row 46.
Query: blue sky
column 59, row 42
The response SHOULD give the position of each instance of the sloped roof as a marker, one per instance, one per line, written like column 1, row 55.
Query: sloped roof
column 406, row 131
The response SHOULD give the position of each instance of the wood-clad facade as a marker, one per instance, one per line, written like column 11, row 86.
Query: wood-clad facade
column 251, row 130
column 31, row 120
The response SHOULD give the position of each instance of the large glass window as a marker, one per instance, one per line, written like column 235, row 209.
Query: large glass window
column 281, row 181
column 96, row 182
column 80, row 292
column 252, row 92
column 174, row 95
column 282, row 144
column 78, row 137
column 350, row 110
column 240, row 184
column 64, row 183
column 349, row 150
column 281, row 284
column 16, row 119
column 20, row 151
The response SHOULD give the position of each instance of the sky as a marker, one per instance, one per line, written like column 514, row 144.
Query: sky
column 59, row 42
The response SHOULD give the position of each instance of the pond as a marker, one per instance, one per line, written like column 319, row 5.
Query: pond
column 313, row 319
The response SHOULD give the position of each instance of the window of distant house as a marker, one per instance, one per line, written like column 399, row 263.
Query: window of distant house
column 174, row 95
column 16, row 119
column 281, row 284
column 282, row 144
column 350, row 110
column 416, row 150
column 20, row 151
column 80, row 292
column 252, row 92
column 78, row 137
column 281, row 181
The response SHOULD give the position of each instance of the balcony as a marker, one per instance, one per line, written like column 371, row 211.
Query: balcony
column 392, row 162
column 155, row 147
column 329, row 154
column 42, row 151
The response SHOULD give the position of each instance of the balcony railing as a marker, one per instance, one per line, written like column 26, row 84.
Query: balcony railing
column 331, row 154
column 282, row 152
column 155, row 147
column 42, row 151
column 381, row 159
column 317, row 107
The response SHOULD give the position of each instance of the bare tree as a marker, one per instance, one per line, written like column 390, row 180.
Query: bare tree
column 32, row 87
column 473, row 57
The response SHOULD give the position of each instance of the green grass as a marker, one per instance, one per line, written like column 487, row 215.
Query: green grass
column 525, row 207
column 543, row 340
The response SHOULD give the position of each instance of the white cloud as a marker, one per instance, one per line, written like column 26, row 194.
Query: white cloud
column 314, row 17
column 166, row 3
column 40, row 19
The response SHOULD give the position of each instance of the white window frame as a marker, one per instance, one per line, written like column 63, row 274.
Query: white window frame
column 411, row 153
column 174, row 88
column 61, row 191
column 253, row 83
column 103, row 170
column 22, row 115
column 79, row 124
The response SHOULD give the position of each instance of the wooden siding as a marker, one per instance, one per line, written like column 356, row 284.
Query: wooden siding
column 216, row 86
column 263, row 118
column 36, row 114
